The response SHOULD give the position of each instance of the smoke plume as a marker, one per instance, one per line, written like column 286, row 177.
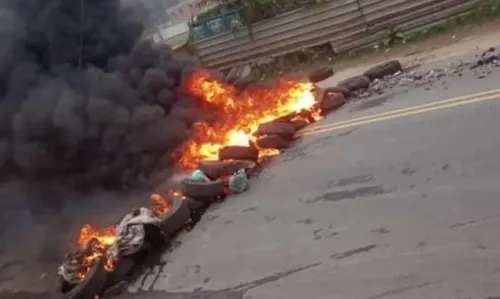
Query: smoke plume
column 82, row 100
column 85, row 104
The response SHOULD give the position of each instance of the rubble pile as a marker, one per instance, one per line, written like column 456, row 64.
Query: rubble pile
column 481, row 67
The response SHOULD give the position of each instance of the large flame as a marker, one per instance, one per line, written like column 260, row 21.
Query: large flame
column 241, row 114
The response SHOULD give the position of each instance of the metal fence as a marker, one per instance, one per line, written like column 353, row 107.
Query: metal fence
column 345, row 24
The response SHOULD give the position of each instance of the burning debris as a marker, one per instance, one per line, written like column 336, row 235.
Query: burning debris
column 243, row 117
column 135, row 232
column 241, row 114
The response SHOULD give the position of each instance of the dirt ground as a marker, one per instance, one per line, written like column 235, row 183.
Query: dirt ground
column 459, row 42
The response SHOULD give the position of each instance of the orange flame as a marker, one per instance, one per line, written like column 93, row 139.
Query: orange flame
column 241, row 114
column 95, row 243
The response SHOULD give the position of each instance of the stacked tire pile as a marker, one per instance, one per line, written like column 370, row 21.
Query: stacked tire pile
column 231, row 159
column 185, row 211
column 334, row 97
column 351, row 86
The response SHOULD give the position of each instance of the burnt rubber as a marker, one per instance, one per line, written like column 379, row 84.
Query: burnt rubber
column 320, row 74
column 354, row 83
column 332, row 101
column 235, row 152
column 338, row 89
column 299, row 123
column 123, row 268
column 91, row 285
column 283, row 129
column 176, row 217
column 217, row 169
column 202, row 190
column 273, row 142
column 384, row 69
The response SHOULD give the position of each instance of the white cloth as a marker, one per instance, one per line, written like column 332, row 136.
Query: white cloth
column 130, row 233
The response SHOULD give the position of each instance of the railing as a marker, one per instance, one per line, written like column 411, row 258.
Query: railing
column 345, row 24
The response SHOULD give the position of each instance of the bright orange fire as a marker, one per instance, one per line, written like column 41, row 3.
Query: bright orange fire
column 95, row 243
column 242, row 113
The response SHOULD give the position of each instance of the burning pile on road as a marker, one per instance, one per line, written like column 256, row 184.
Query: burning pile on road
column 111, row 243
column 244, row 116
column 249, row 125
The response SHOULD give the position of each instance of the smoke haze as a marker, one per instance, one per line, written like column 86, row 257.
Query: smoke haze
column 84, row 108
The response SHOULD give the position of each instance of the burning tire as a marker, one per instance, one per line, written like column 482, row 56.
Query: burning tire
column 354, row 83
column 339, row 89
column 90, row 286
column 235, row 152
column 320, row 74
column 273, row 142
column 282, row 129
column 384, row 69
column 176, row 217
column 202, row 190
column 217, row 169
column 332, row 101
column 124, row 268
column 299, row 123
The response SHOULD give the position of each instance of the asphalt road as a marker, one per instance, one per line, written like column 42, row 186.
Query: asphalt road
column 397, row 207
column 405, row 207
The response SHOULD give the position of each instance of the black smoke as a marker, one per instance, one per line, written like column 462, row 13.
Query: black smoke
column 82, row 99
column 87, row 104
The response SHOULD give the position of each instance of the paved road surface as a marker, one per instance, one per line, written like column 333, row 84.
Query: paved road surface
column 400, row 208
column 406, row 207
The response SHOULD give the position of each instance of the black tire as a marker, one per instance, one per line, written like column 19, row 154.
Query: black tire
column 273, row 142
column 176, row 217
column 384, row 69
column 202, row 190
column 218, row 169
column 123, row 269
column 320, row 74
column 196, row 206
column 299, row 123
column 91, row 285
column 283, row 129
column 339, row 89
column 332, row 101
column 354, row 83
column 235, row 152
